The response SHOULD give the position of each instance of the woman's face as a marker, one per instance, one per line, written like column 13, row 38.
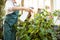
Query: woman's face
column 14, row 1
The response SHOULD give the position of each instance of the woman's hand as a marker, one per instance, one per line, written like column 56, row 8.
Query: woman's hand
column 29, row 10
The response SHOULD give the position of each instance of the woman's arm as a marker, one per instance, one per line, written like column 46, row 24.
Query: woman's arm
column 20, row 8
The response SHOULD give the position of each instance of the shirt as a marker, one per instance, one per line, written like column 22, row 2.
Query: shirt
column 8, row 5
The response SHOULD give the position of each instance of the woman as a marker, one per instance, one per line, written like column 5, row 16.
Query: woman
column 11, row 18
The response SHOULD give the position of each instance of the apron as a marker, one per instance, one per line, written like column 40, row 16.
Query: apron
column 9, row 30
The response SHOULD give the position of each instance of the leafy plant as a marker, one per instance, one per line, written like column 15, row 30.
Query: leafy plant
column 57, row 12
column 57, row 28
column 37, row 29
column 2, row 2
column 2, row 12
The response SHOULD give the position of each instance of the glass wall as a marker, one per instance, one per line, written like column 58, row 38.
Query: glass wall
column 56, row 4
column 52, row 4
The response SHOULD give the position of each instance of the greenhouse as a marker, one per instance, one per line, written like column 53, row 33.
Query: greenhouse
column 29, row 20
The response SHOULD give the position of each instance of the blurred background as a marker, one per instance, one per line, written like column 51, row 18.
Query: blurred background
column 37, row 5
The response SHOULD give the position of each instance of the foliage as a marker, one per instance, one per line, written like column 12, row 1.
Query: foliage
column 57, row 27
column 56, row 12
column 2, row 2
column 37, row 29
